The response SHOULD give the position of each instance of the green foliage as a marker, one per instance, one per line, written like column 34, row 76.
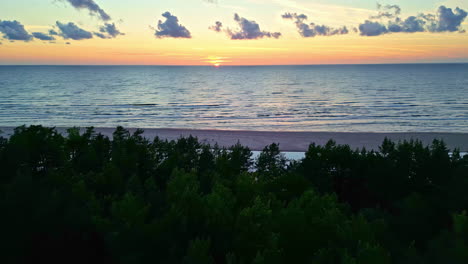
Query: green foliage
column 84, row 198
column 271, row 163
column 199, row 252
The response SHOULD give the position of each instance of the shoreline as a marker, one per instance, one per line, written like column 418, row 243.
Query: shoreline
column 289, row 141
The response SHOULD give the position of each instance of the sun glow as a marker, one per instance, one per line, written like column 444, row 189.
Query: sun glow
column 215, row 61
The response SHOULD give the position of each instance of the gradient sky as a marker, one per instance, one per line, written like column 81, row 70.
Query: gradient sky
column 138, row 18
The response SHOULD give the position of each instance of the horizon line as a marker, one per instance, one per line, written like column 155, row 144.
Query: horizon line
column 235, row 65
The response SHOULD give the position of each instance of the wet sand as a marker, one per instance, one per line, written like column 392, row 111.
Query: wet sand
column 289, row 141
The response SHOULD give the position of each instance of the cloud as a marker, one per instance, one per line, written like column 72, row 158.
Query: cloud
column 312, row 30
column 90, row 5
column 14, row 30
column 42, row 36
column 171, row 28
column 300, row 17
column 369, row 28
column 249, row 29
column 111, row 30
column 72, row 31
column 387, row 11
column 108, row 31
column 288, row 16
column 52, row 32
column 445, row 20
column 100, row 35
column 217, row 26
column 410, row 25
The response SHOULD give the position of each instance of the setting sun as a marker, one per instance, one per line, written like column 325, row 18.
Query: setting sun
column 215, row 61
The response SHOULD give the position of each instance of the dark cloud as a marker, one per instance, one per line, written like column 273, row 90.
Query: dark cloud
column 171, row 28
column 111, row 29
column 312, row 30
column 108, row 31
column 100, row 35
column 410, row 25
column 52, row 32
column 67, row 43
column 392, row 28
column 288, row 15
column 14, row 30
column 91, row 6
column 249, row 29
column 217, row 26
column 446, row 20
column 42, row 36
column 369, row 28
column 72, row 31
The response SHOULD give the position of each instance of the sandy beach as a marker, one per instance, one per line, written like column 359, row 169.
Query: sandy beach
column 289, row 141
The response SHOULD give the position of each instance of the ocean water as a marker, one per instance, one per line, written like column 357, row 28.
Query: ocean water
column 348, row 98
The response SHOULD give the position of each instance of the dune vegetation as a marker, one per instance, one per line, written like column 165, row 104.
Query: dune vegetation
column 85, row 198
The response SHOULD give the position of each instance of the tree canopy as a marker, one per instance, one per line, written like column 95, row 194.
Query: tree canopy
column 82, row 197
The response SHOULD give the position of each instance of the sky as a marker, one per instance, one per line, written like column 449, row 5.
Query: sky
column 228, row 32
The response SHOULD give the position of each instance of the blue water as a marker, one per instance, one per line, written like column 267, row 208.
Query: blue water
column 365, row 98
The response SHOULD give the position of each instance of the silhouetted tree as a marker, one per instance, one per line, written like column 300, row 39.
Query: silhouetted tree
column 83, row 197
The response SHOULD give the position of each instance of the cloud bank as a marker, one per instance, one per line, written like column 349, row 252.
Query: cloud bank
column 91, row 6
column 445, row 20
column 72, row 31
column 14, row 30
column 248, row 29
column 171, row 28
column 312, row 30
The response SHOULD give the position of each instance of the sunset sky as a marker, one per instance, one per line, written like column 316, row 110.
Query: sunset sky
column 124, row 32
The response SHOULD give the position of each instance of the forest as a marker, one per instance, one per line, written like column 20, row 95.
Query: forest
column 82, row 197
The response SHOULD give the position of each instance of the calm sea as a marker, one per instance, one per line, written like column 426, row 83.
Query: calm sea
column 365, row 98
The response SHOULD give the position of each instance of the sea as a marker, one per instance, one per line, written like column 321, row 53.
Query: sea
column 338, row 98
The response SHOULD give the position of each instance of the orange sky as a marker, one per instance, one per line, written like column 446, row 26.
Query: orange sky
column 343, row 49
column 139, row 46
